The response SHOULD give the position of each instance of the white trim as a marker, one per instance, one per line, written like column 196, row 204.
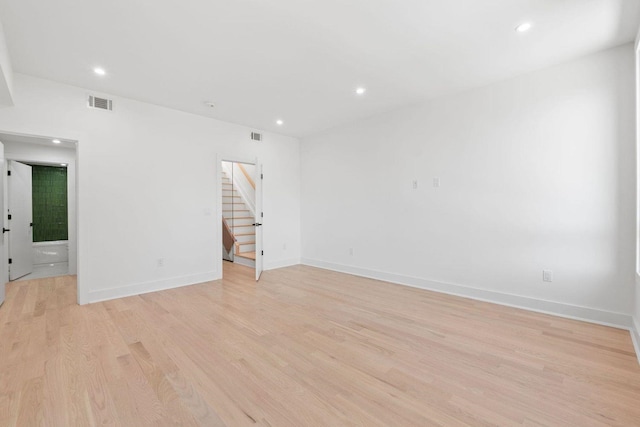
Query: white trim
column 636, row 64
column 153, row 286
column 244, row 261
column 281, row 264
column 635, row 336
column 592, row 315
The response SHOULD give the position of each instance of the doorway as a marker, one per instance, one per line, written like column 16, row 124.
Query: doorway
column 40, row 207
column 240, row 213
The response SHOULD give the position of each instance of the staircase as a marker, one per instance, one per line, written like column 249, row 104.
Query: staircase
column 239, row 219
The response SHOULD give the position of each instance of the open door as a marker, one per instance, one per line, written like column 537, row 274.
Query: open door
column 258, row 221
column 4, row 274
column 20, row 223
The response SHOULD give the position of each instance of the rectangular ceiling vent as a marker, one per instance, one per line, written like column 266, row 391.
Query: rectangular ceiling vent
column 256, row 136
column 100, row 103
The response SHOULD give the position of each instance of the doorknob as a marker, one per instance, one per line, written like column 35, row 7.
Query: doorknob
column 256, row 224
column 4, row 230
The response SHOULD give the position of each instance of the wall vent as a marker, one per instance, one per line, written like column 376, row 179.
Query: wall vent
column 256, row 136
column 100, row 103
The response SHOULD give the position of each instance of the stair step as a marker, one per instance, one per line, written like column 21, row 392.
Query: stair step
column 246, row 243
column 249, row 255
column 244, row 237
column 247, row 247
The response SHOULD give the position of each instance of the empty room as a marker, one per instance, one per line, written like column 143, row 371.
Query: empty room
column 319, row 213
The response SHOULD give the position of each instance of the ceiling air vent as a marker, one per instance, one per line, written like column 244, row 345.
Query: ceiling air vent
column 100, row 103
column 256, row 136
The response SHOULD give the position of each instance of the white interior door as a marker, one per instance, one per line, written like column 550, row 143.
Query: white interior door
column 20, row 224
column 4, row 274
column 258, row 220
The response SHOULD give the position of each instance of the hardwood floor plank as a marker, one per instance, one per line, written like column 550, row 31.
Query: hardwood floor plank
column 31, row 412
column 304, row 347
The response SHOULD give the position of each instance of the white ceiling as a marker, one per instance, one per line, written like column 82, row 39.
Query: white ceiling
column 301, row 60
column 38, row 140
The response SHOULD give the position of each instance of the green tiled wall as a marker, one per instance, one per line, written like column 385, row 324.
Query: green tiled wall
column 49, row 203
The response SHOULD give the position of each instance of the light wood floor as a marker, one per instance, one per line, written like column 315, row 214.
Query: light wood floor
column 305, row 347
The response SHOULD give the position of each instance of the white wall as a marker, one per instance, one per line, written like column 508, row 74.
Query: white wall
column 146, row 187
column 536, row 173
column 43, row 154
column 635, row 331
column 636, row 311
column 6, row 73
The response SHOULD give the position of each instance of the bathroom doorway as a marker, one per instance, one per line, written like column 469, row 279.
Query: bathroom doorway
column 40, row 212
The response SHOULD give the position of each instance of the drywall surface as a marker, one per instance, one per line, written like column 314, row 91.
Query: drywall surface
column 147, row 187
column 531, row 174
column 6, row 73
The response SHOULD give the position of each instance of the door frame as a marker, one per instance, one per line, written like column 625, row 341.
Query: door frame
column 82, row 294
column 218, row 171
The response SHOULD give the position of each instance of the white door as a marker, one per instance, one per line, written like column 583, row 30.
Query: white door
column 258, row 220
column 4, row 274
column 20, row 224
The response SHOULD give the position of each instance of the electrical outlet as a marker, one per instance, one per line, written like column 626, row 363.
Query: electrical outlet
column 350, row 251
column 415, row 184
column 436, row 182
column 160, row 262
column 547, row 276
column 284, row 246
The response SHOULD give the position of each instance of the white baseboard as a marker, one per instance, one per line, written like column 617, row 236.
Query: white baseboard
column 244, row 261
column 153, row 286
column 281, row 264
column 635, row 336
column 587, row 314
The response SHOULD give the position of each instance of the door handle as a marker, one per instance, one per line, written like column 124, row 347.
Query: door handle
column 256, row 224
column 4, row 230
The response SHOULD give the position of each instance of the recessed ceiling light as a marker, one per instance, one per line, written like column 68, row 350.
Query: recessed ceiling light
column 210, row 104
column 360, row 91
column 524, row 27
column 56, row 141
column 279, row 122
column 99, row 71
